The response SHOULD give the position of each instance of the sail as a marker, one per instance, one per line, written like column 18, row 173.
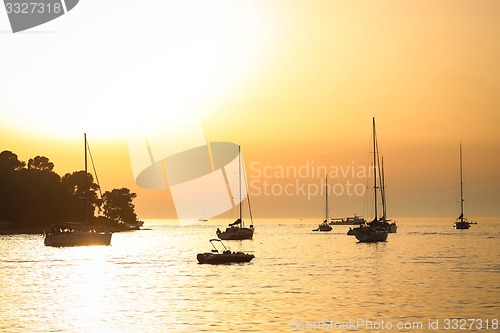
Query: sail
column 235, row 223
column 237, row 182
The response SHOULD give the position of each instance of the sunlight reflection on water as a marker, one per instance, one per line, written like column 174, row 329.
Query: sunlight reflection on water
column 149, row 280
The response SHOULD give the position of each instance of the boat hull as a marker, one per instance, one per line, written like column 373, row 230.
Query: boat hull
column 461, row 225
column 223, row 258
column 325, row 228
column 236, row 234
column 370, row 235
column 78, row 239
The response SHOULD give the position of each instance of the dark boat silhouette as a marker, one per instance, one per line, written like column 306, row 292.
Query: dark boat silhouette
column 461, row 222
column 378, row 229
column 237, row 229
column 215, row 257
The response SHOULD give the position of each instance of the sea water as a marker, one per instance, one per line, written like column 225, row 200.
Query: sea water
column 428, row 277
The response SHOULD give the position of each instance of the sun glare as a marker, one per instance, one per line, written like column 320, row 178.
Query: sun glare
column 175, row 66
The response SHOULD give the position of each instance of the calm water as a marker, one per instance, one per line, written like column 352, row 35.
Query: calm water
column 149, row 281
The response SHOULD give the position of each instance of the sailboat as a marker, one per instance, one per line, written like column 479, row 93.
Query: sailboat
column 237, row 229
column 203, row 219
column 461, row 222
column 376, row 230
column 325, row 226
column 77, row 234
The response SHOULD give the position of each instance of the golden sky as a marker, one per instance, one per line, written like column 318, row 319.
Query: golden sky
column 295, row 83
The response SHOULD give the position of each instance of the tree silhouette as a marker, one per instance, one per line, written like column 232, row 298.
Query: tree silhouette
column 33, row 195
column 40, row 163
column 10, row 162
column 118, row 207
column 81, row 200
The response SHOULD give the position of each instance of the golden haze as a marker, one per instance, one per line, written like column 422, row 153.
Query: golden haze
column 428, row 72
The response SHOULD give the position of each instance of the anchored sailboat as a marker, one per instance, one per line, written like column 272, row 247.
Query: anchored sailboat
column 376, row 230
column 325, row 226
column 216, row 257
column 77, row 234
column 461, row 222
column 237, row 229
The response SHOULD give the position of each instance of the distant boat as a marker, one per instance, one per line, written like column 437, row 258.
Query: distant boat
column 215, row 257
column 376, row 230
column 354, row 220
column 237, row 229
column 461, row 222
column 203, row 219
column 77, row 234
column 324, row 226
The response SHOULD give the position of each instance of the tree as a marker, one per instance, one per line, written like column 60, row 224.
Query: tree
column 81, row 197
column 10, row 162
column 11, row 186
column 118, row 207
column 33, row 196
column 40, row 163
column 41, row 193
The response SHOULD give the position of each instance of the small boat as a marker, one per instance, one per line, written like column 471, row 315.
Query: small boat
column 354, row 220
column 214, row 257
column 237, row 229
column 203, row 219
column 325, row 226
column 376, row 230
column 393, row 227
column 77, row 234
column 461, row 222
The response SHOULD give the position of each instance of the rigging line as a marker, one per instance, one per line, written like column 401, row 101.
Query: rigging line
column 380, row 176
column 248, row 197
column 95, row 171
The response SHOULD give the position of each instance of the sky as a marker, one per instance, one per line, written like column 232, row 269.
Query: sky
column 294, row 83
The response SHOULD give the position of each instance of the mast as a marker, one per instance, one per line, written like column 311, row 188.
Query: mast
column 461, row 188
column 382, row 189
column 86, row 180
column 239, row 177
column 375, row 170
column 326, row 192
